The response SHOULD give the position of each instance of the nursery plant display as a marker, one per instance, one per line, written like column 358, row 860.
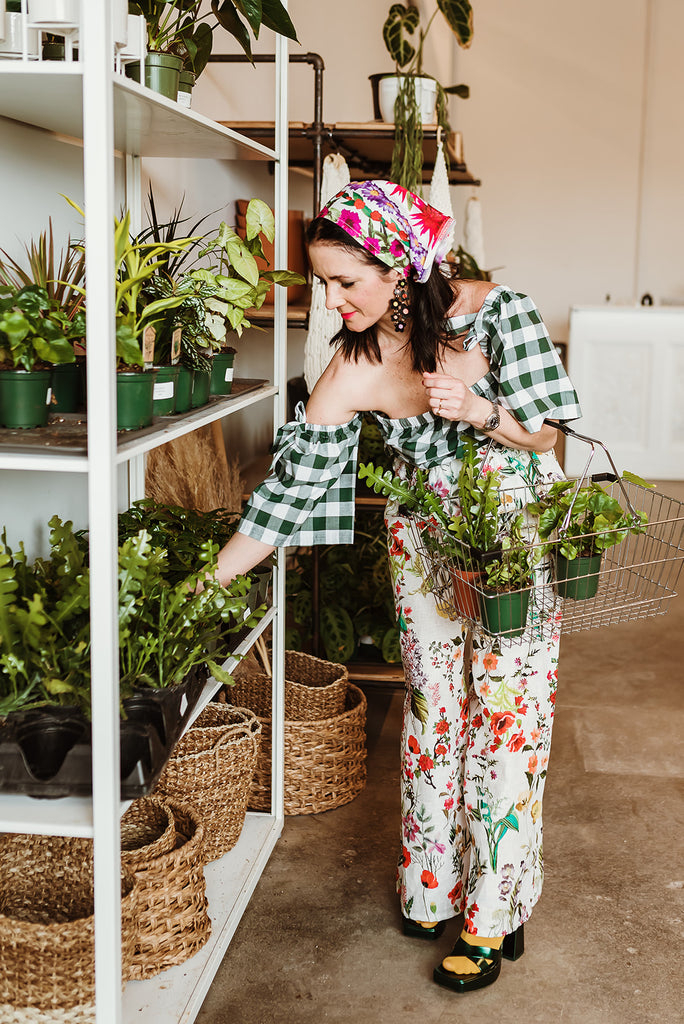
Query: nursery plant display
column 171, row 634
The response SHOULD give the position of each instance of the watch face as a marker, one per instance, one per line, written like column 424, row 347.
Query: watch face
column 493, row 420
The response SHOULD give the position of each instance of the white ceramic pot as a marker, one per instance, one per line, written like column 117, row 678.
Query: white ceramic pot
column 12, row 44
column 54, row 12
column 120, row 22
column 426, row 97
column 136, row 37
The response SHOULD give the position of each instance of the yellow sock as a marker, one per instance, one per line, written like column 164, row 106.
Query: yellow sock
column 461, row 964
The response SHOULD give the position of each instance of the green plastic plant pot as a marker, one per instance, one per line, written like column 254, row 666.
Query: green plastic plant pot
column 134, row 399
column 184, row 388
column 577, row 578
column 67, row 387
column 186, row 82
column 505, row 613
column 162, row 71
column 164, row 393
column 200, row 388
column 222, row 373
column 25, row 397
column 132, row 69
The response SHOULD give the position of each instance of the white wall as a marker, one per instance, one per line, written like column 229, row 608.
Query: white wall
column 574, row 125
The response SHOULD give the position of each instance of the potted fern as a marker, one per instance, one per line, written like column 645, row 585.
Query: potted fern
column 584, row 521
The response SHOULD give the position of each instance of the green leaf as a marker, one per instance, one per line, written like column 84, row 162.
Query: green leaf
column 337, row 633
column 632, row 478
column 275, row 17
column 259, row 220
column 459, row 16
column 401, row 21
column 227, row 17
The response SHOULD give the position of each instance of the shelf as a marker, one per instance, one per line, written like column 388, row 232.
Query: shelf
column 73, row 816
column 145, row 123
column 367, row 146
column 178, row 993
column 61, row 446
column 375, row 672
column 297, row 317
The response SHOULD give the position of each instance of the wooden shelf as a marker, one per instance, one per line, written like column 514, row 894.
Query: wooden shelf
column 366, row 146
column 375, row 672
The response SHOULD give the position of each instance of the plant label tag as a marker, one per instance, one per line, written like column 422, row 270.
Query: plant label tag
column 48, row 396
column 164, row 389
column 229, row 373
column 176, row 345
column 149, row 334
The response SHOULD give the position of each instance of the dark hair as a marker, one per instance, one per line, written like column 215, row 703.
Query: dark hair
column 428, row 305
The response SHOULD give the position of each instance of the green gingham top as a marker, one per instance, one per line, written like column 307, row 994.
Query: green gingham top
column 308, row 496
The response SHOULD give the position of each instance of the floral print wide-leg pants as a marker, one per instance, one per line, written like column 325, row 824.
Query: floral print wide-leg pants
column 475, row 742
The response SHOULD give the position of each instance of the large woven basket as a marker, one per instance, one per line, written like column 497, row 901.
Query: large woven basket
column 47, row 929
column 211, row 768
column 162, row 846
column 314, row 688
column 325, row 759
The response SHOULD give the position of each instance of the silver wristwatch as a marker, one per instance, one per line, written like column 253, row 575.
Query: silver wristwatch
column 494, row 418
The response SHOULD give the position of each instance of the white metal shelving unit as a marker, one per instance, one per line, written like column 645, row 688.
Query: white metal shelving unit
column 87, row 103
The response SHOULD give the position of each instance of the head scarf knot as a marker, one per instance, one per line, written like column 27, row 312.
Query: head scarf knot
column 392, row 224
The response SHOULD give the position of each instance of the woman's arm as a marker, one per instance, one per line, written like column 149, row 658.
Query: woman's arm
column 453, row 400
column 240, row 554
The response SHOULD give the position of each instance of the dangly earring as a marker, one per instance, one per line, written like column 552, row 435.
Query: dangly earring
column 399, row 305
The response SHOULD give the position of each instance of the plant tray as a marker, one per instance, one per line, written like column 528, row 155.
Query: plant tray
column 48, row 753
column 636, row 579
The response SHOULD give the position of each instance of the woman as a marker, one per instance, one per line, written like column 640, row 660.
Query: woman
column 432, row 359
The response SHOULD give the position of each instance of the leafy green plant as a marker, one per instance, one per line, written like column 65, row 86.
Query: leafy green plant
column 512, row 569
column 61, row 274
column 398, row 34
column 32, row 331
column 236, row 280
column 167, row 625
column 180, row 27
column 136, row 263
column 586, row 520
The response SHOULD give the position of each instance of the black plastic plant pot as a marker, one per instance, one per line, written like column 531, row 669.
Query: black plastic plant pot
column 505, row 613
column 577, row 578
column 24, row 398
column 166, row 710
column 45, row 737
column 134, row 748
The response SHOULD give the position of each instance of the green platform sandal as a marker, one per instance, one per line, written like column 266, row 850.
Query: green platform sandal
column 486, row 959
column 416, row 931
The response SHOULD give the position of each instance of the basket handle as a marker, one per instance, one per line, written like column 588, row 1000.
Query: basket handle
column 615, row 476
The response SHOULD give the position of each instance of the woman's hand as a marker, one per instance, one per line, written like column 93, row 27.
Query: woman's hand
column 451, row 398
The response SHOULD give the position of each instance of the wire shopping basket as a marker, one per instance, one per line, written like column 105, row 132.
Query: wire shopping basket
column 632, row 572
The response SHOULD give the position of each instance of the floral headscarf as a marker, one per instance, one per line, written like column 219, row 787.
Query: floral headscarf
column 394, row 225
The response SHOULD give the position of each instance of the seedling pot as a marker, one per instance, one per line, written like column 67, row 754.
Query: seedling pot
column 134, row 399
column 504, row 613
column 222, row 373
column 67, row 388
column 577, row 578
column 184, row 388
column 200, row 388
column 164, row 392
column 24, row 398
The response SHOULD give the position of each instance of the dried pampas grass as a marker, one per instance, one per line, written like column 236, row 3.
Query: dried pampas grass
column 193, row 471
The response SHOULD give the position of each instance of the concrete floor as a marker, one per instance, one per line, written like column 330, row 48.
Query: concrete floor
column 320, row 940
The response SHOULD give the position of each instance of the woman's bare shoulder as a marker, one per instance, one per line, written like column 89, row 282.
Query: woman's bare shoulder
column 469, row 296
column 345, row 388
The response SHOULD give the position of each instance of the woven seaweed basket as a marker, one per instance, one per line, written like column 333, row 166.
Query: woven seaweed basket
column 325, row 759
column 314, row 688
column 162, row 846
column 211, row 768
column 47, row 929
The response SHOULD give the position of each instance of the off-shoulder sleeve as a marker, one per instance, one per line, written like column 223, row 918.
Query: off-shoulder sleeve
column 308, row 496
column 532, row 381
